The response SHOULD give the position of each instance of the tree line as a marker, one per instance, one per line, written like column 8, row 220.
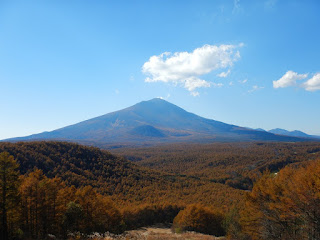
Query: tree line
column 125, row 182
column 237, row 165
column 36, row 205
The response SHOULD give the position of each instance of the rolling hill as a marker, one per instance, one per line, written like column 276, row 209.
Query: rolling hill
column 125, row 182
column 233, row 164
column 154, row 121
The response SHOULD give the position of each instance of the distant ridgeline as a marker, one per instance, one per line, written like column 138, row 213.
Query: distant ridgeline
column 157, row 121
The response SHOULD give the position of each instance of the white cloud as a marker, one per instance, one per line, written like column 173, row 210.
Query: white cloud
column 185, row 68
column 191, row 83
column 164, row 98
column 255, row 88
column 230, row 83
column 224, row 74
column 243, row 81
column 218, row 85
column 195, row 94
column 312, row 84
column 236, row 7
column 289, row 79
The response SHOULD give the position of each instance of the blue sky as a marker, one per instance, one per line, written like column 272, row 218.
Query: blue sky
column 249, row 63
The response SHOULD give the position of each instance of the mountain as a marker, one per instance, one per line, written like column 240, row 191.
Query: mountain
column 153, row 121
column 295, row 133
column 260, row 129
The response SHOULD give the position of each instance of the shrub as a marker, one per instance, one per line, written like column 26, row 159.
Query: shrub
column 200, row 219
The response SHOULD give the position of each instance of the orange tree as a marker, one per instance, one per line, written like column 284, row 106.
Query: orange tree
column 9, row 183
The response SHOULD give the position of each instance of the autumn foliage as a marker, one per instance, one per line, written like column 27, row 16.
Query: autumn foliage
column 125, row 182
column 37, row 206
column 285, row 205
column 200, row 219
column 54, row 188
column 9, row 199
column 237, row 165
column 48, row 206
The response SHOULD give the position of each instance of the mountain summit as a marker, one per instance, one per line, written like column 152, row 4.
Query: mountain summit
column 153, row 121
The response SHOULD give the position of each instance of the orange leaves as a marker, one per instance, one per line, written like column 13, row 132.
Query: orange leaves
column 147, row 215
column 100, row 214
column 46, row 208
column 200, row 219
column 285, row 205
column 9, row 195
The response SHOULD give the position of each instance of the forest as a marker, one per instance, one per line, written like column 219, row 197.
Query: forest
column 239, row 190
column 234, row 164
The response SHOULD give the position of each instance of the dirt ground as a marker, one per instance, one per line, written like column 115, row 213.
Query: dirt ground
column 160, row 233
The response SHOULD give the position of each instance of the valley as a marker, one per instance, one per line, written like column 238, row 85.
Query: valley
column 134, row 188
column 234, row 164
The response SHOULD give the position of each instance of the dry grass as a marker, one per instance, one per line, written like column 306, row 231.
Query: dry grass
column 158, row 233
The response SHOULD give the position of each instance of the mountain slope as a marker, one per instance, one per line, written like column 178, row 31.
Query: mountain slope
column 77, row 165
column 153, row 121
column 295, row 133
column 126, row 182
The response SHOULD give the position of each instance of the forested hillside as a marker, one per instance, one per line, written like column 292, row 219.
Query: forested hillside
column 234, row 164
column 285, row 205
column 59, row 190
column 78, row 165
column 117, row 177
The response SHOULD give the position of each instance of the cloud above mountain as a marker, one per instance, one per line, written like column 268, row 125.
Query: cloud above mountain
column 313, row 84
column 224, row 74
column 290, row 78
column 186, row 68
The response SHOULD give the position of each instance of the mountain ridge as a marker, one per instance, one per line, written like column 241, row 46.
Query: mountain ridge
column 294, row 133
column 154, row 121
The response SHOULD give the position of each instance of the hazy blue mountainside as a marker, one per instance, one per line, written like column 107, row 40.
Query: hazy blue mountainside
column 154, row 121
column 294, row 133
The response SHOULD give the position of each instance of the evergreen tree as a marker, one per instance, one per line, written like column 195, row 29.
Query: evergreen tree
column 9, row 183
